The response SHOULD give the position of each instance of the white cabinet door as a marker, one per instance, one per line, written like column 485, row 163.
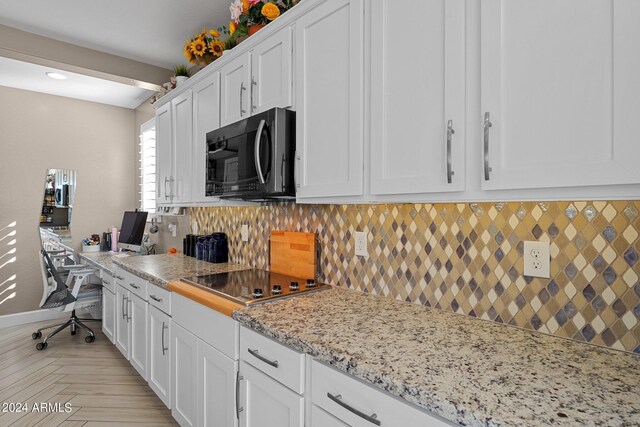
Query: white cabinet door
column 184, row 372
column 164, row 154
column 182, row 114
column 271, row 71
column 216, row 388
column 418, row 97
column 266, row 402
column 329, row 100
column 159, row 350
column 108, row 314
column 138, row 341
column 320, row 418
column 206, row 117
column 122, row 321
column 560, row 88
column 234, row 90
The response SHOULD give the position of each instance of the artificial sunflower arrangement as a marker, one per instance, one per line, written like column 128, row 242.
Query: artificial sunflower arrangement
column 204, row 48
column 248, row 16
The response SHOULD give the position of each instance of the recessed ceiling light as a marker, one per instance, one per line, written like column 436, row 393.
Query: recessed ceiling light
column 56, row 76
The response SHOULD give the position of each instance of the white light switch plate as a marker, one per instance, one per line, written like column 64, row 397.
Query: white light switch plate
column 244, row 232
column 536, row 259
column 361, row 243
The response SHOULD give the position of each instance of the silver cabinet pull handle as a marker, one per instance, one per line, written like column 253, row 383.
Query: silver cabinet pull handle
column 257, row 355
column 242, row 89
column 124, row 312
column 155, row 298
column 238, row 408
column 171, row 181
column 373, row 418
column 450, row 133
column 256, row 152
column 119, row 277
column 134, row 286
column 254, row 83
column 297, row 166
column 166, row 193
column 163, row 347
column 487, row 126
column 129, row 305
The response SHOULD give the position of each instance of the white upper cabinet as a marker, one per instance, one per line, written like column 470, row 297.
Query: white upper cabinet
column 182, row 114
column 329, row 100
column 418, row 97
column 206, row 117
column 234, row 90
column 271, row 69
column 164, row 153
column 560, row 90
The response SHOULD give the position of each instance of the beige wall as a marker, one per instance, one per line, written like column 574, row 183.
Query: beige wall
column 37, row 132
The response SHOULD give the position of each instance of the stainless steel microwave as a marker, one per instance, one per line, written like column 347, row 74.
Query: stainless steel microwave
column 253, row 159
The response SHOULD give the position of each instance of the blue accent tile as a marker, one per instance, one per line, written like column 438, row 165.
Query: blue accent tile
column 637, row 350
column 499, row 238
column 561, row 317
column 498, row 319
column 599, row 304
column 571, row 270
column 553, row 231
column 570, row 309
column 536, row 322
column 637, row 288
column 478, row 294
column 544, row 296
column 599, row 264
column 631, row 256
column 609, row 233
column 499, row 254
column 553, row 288
column 536, row 231
column 473, row 284
column 460, row 251
column 588, row 333
column 520, row 301
column 609, row 275
column 454, row 305
column 619, row 308
column 589, row 293
column 499, row 288
column 636, row 311
column 513, row 274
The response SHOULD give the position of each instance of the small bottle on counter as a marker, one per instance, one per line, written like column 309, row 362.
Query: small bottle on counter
column 114, row 239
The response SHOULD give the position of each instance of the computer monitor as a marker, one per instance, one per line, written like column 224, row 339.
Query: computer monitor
column 132, row 230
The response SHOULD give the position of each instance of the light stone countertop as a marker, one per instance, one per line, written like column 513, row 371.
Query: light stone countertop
column 162, row 269
column 103, row 260
column 466, row 370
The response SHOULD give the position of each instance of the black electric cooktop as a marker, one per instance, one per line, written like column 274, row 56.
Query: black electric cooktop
column 254, row 286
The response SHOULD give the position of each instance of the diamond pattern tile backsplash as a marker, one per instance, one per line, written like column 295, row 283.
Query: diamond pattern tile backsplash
column 467, row 258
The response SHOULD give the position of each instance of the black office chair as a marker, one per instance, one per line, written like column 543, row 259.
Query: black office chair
column 66, row 295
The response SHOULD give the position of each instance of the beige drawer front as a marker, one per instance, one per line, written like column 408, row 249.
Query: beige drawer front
column 215, row 329
column 132, row 283
column 159, row 298
column 358, row 404
column 108, row 281
column 274, row 359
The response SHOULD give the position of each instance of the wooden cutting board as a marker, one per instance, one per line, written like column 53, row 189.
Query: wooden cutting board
column 294, row 253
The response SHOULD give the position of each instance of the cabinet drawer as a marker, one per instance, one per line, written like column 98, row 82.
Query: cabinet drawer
column 359, row 404
column 132, row 283
column 213, row 328
column 274, row 359
column 108, row 281
column 159, row 298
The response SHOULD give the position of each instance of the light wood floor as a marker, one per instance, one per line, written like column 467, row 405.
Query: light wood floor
column 99, row 383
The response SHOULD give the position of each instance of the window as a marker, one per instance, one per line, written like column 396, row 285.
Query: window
column 148, row 166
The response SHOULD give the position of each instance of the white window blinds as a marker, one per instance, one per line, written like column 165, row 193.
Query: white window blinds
column 148, row 166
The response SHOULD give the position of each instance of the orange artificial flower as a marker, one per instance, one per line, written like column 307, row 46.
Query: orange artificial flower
column 232, row 27
column 270, row 11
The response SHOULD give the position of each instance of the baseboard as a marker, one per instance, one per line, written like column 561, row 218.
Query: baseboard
column 30, row 317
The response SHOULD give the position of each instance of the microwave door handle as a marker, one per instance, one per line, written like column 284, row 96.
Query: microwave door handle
column 257, row 151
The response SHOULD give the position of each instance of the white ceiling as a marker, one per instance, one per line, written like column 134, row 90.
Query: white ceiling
column 23, row 75
column 149, row 31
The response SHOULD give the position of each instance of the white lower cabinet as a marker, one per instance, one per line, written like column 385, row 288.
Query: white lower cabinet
column 267, row 403
column 184, row 376
column 108, row 314
column 138, row 331
column 320, row 418
column 159, row 352
column 122, row 320
column 216, row 393
column 359, row 404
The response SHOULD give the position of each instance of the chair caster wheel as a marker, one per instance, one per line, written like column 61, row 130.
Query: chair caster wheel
column 41, row 346
column 36, row 335
column 73, row 332
column 89, row 338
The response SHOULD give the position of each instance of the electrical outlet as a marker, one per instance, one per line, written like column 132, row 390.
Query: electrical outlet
column 536, row 259
column 361, row 243
column 244, row 232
